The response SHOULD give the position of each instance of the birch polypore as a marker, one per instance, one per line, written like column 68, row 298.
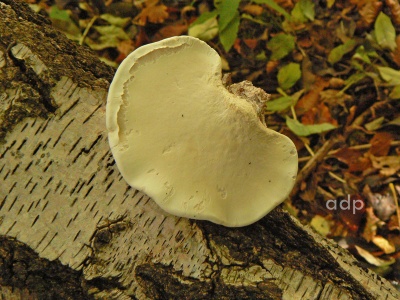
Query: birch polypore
column 181, row 137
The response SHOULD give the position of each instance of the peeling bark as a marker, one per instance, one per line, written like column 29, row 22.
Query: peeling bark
column 63, row 201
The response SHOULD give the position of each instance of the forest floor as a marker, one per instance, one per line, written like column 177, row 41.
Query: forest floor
column 332, row 69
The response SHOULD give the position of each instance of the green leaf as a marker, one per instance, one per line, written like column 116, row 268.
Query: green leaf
column 62, row 21
column 307, row 7
column 297, row 14
column 206, row 30
column 281, row 45
column 59, row 14
column 274, row 6
column 228, row 13
column 385, row 33
column 356, row 77
column 204, row 17
column 362, row 55
column 116, row 21
column 395, row 93
column 321, row 225
column 304, row 130
column 112, row 31
column 288, row 75
column 102, row 42
column 391, row 76
column 395, row 122
column 279, row 104
column 338, row 52
column 375, row 124
column 229, row 34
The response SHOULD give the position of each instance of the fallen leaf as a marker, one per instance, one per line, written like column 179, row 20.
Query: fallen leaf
column 305, row 41
column 289, row 75
column 124, row 47
column 396, row 53
column 391, row 76
column 384, row 244
column 368, row 13
column 336, row 83
column 380, row 144
column 353, row 158
column 170, row 31
column 252, row 9
column 228, row 22
column 395, row 93
column 338, row 52
column 205, row 27
column 305, row 130
column 371, row 225
column 251, row 43
column 351, row 211
column 311, row 98
column 372, row 259
column 395, row 10
column 280, row 103
column 271, row 66
column 385, row 33
column 375, row 124
column 281, row 45
column 318, row 115
column 387, row 165
column 321, row 225
column 153, row 13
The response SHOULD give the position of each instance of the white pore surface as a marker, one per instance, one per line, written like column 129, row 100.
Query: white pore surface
column 179, row 136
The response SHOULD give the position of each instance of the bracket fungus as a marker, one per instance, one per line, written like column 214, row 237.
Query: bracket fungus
column 197, row 149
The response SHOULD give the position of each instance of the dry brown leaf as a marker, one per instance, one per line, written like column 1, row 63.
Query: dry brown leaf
column 170, row 31
column 354, row 159
column 271, row 66
column 368, row 13
column 372, row 259
column 380, row 144
column 336, row 83
column 317, row 115
column 396, row 53
column 395, row 10
column 251, row 43
column 305, row 41
column 252, row 9
column 387, row 165
column 311, row 99
column 124, row 48
column 284, row 3
column 152, row 13
column 372, row 224
column 351, row 211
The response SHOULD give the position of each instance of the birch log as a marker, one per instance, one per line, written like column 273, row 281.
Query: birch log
column 71, row 228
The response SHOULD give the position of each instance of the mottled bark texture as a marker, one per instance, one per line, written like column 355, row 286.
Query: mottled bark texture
column 72, row 229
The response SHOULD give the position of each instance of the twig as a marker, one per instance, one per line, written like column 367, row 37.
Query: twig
column 82, row 39
column 356, row 147
column 312, row 163
column 333, row 175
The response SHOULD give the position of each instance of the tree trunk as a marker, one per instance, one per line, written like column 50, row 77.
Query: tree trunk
column 73, row 229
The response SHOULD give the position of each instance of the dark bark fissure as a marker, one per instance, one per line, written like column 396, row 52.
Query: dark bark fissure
column 21, row 267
